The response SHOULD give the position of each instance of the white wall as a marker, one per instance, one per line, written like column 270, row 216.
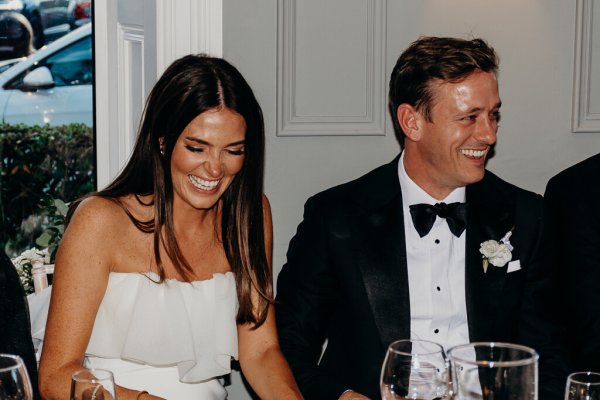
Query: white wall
column 536, row 43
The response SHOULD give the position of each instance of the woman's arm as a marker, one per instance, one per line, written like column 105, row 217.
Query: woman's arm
column 83, row 263
column 261, row 359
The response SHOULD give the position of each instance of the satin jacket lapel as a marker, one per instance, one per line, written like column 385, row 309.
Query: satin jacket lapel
column 381, row 253
column 490, row 217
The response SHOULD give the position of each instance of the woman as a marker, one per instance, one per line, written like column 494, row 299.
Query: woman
column 150, row 270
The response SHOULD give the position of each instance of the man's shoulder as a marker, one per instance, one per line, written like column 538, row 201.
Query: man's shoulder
column 493, row 189
column 375, row 186
column 491, row 180
column 578, row 174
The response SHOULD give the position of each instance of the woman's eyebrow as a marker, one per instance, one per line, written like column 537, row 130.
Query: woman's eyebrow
column 204, row 142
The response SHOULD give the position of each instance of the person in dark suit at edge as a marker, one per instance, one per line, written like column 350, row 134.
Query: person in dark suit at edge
column 396, row 254
column 15, row 328
column 573, row 225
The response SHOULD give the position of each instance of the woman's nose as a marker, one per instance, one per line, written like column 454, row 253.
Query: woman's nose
column 214, row 165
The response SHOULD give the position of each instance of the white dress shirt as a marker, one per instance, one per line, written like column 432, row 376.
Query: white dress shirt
column 436, row 271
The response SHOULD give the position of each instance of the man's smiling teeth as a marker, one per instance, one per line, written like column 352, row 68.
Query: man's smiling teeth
column 473, row 153
column 202, row 184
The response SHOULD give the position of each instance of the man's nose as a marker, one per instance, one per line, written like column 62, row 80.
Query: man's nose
column 487, row 130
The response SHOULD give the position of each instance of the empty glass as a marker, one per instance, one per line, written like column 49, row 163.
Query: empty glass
column 14, row 380
column 93, row 384
column 583, row 386
column 498, row 371
column 414, row 369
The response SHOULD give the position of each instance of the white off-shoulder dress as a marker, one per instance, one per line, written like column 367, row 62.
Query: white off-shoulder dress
column 173, row 339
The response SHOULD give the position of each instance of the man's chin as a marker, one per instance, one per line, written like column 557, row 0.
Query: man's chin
column 474, row 177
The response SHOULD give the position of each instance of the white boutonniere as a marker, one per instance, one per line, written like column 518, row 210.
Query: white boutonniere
column 497, row 253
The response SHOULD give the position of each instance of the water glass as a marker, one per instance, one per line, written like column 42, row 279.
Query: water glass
column 583, row 386
column 14, row 379
column 489, row 370
column 93, row 384
column 414, row 369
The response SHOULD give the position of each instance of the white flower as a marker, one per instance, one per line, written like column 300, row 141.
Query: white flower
column 497, row 253
column 23, row 264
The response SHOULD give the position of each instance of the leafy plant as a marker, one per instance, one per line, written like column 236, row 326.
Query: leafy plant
column 39, row 164
column 50, row 238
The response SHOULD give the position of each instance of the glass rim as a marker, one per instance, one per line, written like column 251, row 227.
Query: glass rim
column 571, row 378
column 18, row 362
column 405, row 353
column 533, row 355
column 95, row 379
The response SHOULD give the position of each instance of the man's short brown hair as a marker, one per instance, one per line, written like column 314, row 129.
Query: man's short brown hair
column 429, row 59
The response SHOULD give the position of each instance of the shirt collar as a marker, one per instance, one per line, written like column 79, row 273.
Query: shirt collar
column 413, row 194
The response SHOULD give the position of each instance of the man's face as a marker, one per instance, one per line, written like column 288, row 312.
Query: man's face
column 450, row 151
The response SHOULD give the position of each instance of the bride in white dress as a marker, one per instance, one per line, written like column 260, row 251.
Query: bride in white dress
column 164, row 276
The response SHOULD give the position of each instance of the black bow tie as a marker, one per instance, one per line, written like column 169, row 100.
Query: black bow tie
column 423, row 216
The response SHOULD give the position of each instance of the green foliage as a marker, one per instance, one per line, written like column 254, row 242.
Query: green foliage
column 50, row 238
column 37, row 165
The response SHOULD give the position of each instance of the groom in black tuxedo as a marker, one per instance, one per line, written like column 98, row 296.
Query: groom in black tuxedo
column 396, row 254
column 572, row 201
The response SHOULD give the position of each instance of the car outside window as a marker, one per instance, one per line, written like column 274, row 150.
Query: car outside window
column 70, row 66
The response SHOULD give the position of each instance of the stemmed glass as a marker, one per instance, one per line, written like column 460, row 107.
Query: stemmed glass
column 93, row 384
column 490, row 370
column 583, row 386
column 414, row 369
column 14, row 380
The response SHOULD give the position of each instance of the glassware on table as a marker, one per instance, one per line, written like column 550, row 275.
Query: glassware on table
column 583, row 386
column 93, row 384
column 14, row 379
column 489, row 370
column 414, row 369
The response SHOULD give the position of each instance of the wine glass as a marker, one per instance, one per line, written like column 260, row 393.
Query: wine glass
column 490, row 370
column 93, row 384
column 414, row 369
column 583, row 386
column 14, row 379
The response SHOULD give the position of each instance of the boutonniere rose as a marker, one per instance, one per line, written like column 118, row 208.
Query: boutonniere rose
column 497, row 253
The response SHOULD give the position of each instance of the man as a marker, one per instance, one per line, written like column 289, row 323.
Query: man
column 361, row 275
column 571, row 202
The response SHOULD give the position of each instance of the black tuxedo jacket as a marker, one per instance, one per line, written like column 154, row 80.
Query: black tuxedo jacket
column 572, row 201
column 346, row 281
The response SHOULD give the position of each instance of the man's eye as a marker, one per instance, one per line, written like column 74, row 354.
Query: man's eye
column 496, row 116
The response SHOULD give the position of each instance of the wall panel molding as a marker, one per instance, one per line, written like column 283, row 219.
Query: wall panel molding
column 310, row 74
column 188, row 27
column 130, row 47
column 586, row 86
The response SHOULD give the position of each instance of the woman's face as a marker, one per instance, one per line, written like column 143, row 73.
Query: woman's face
column 206, row 157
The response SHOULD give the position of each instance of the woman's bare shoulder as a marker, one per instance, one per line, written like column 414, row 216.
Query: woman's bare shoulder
column 109, row 215
column 97, row 210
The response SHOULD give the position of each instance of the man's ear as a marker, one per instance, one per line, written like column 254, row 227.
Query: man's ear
column 409, row 120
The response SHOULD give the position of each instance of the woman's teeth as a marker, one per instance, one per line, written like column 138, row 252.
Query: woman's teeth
column 203, row 184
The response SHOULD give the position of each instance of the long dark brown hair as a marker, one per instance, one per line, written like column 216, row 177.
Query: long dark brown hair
column 190, row 86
